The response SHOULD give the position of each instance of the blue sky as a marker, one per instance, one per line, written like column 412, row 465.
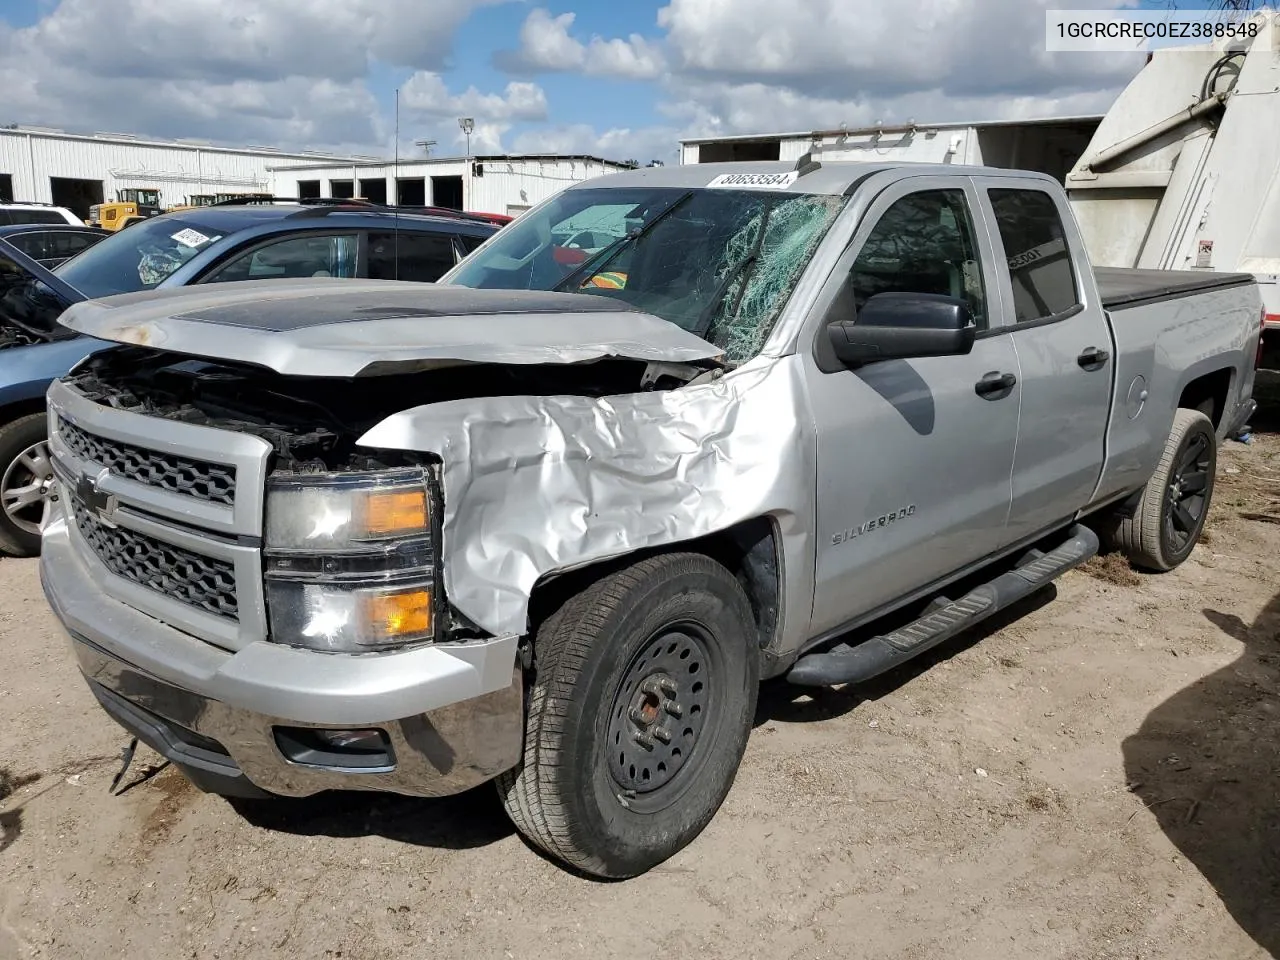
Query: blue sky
column 624, row 79
column 575, row 101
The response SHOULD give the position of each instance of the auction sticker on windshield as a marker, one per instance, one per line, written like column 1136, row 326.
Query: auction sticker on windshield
column 754, row 181
column 191, row 238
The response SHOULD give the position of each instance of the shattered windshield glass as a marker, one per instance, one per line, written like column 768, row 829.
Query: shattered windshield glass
column 138, row 257
column 718, row 263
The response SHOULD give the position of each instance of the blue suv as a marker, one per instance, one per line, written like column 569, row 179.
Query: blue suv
column 203, row 245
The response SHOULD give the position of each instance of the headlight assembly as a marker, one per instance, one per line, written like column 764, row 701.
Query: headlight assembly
column 350, row 560
column 327, row 512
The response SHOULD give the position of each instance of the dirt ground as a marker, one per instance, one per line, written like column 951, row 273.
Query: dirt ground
column 1094, row 779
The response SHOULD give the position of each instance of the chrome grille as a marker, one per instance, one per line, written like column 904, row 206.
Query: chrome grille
column 193, row 478
column 203, row 582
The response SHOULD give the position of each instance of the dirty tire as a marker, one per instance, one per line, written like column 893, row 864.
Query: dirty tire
column 678, row 625
column 15, row 437
column 1154, row 538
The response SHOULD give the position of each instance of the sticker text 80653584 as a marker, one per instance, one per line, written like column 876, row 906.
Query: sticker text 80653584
column 754, row 181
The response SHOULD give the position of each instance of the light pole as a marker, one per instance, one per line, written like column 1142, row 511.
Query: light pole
column 468, row 125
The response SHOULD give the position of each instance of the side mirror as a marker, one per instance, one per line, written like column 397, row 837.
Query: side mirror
column 902, row 326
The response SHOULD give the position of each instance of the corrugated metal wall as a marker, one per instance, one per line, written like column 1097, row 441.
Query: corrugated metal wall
column 176, row 170
column 506, row 186
column 938, row 145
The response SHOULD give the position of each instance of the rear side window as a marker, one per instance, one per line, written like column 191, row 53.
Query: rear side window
column 470, row 243
column 64, row 243
column 1035, row 249
column 35, row 216
column 423, row 257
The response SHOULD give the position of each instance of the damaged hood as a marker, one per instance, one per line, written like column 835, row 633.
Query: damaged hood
column 349, row 328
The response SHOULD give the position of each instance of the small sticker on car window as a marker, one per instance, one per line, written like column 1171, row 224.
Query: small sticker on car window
column 191, row 238
column 754, row 181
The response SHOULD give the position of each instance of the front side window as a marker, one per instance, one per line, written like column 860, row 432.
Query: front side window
column 720, row 263
column 1035, row 248
column 307, row 255
column 423, row 257
column 924, row 243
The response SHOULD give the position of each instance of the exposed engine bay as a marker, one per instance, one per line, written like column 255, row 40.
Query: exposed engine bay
column 313, row 422
column 11, row 336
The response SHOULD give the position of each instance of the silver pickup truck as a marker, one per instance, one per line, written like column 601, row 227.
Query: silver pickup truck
column 550, row 522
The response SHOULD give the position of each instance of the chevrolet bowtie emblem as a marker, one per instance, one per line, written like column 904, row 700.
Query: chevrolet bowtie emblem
column 99, row 503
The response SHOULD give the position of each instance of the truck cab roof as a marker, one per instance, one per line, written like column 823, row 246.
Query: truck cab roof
column 813, row 175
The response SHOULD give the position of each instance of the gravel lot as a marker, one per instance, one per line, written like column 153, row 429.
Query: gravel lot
column 1097, row 778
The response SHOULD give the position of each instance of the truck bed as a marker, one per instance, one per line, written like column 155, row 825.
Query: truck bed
column 1122, row 287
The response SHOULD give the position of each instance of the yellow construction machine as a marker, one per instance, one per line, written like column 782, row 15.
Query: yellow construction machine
column 130, row 206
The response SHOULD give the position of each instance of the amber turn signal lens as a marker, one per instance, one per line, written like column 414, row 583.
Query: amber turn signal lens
column 395, row 511
column 394, row 615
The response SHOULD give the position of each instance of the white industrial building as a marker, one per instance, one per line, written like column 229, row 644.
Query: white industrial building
column 77, row 170
column 1051, row 145
column 508, row 184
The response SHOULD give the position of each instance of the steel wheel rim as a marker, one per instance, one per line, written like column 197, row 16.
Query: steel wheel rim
column 27, row 486
column 1186, row 497
column 660, row 715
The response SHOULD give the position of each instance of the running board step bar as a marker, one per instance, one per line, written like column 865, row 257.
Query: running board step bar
column 943, row 620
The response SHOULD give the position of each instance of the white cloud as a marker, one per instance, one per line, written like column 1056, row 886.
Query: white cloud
column 547, row 45
column 261, row 71
column 750, row 66
column 834, row 48
column 619, row 143
column 426, row 93
column 239, row 71
column 248, row 39
column 426, row 98
column 722, row 108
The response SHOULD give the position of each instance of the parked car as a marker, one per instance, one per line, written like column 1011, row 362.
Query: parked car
column 50, row 244
column 18, row 212
column 197, row 246
column 414, row 538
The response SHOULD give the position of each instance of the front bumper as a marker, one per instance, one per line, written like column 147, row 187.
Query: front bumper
column 452, row 713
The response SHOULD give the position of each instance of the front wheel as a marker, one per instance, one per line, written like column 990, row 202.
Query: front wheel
column 643, row 697
column 26, row 483
column 1170, row 516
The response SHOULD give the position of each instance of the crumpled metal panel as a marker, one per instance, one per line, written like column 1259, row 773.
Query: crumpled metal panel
column 323, row 327
column 535, row 485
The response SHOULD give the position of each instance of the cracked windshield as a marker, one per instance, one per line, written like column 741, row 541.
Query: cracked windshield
column 718, row 263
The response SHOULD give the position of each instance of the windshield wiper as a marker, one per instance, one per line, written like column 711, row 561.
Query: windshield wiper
column 703, row 325
column 608, row 252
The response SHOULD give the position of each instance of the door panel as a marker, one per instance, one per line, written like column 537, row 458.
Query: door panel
column 1064, row 350
column 914, row 463
column 913, row 475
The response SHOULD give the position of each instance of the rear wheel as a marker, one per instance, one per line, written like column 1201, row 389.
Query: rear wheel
column 641, row 706
column 1171, row 515
column 26, row 483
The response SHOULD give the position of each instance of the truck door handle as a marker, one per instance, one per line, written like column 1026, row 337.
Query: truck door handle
column 995, row 385
column 1092, row 358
